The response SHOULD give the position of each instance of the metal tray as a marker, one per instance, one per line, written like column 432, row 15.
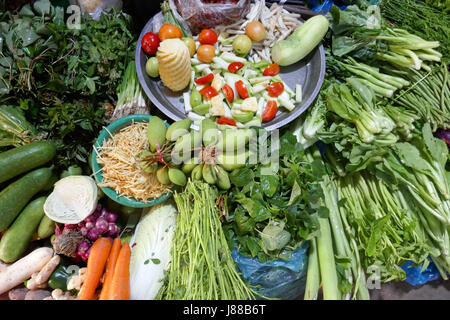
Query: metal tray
column 309, row 73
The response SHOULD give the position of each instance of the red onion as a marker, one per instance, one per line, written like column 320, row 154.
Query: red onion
column 104, row 213
column 89, row 225
column 101, row 225
column 84, row 246
column 93, row 234
column 84, row 231
column 111, row 217
column 90, row 218
column 112, row 229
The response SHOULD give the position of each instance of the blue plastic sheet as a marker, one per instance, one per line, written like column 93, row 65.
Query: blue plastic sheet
column 416, row 278
column 325, row 6
column 280, row 279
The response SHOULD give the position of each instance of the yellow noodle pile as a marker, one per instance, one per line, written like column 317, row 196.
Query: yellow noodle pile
column 119, row 158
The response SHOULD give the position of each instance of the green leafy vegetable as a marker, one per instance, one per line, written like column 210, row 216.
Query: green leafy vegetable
column 271, row 215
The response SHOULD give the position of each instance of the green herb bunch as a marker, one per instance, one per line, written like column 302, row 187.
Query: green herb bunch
column 43, row 59
column 73, row 126
column 272, row 215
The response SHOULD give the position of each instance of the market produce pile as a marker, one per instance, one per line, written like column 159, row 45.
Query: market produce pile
column 345, row 195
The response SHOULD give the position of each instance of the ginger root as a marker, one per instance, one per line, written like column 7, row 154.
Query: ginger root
column 39, row 279
column 58, row 294
column 76, row 281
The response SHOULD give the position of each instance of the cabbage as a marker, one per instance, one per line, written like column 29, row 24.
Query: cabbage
column 73, row 199
column 150, row 255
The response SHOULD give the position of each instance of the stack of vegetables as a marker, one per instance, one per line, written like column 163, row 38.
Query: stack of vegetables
column 389, row 182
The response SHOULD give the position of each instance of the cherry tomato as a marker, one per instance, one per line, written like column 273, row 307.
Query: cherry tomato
column 242, row 89
column 205, row 79
column 207, row 36
column 208, row 92
column 270, row 111
column 272, row 70
column 225, row 120
column 228, row 92
column 205, row 53
column 169, row 31
column 150, row 43
column 235, row 66
column 275, row 89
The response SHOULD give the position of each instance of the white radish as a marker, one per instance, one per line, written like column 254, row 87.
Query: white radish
column 16, row 273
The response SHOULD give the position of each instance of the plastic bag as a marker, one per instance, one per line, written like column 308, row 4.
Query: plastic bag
column 203, row 14
column 96, row 7
column 280, row 279
column 416, row 278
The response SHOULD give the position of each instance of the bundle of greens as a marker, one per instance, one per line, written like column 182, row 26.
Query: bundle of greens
column 349, row 153
column 357, row 106
column 382, row 84
column 418, row 169
column 202, row 267
column 98, row 54
column 42, row 58
column 334, row 261
column 306, row 127
column 428, row 96
column 273, row 210
column 443, row 5
column 130, row 97
column 363, row 35
column 387, row 233
column 15, row 130
column 422, row 19
column 72, row 126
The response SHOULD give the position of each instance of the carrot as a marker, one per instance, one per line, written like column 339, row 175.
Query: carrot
column 120, row 286
column 110, row 266
column 95, row 267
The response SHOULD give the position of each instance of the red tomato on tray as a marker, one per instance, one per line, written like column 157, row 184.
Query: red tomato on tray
column 272, row 70
column 227, row 121
column 270, row 111
column 207, row 36
column 275, row 89
column 228, row 92
column 150, row 43
column 208, row 92
column 205, row 79
column 242, row 89
column 235, row 66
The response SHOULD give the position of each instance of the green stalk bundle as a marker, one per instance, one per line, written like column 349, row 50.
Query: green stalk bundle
column 202, row 267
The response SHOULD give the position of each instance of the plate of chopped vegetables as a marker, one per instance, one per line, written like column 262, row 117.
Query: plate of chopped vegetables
column 265, row 69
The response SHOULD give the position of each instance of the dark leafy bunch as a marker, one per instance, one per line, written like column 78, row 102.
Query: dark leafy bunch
column 61, row 77
column 99, row 53
column 272, row 215
column 72, row 126
column 43, row 59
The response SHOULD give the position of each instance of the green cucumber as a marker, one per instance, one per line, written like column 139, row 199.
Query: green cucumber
column 18, row 237
column 46, row 228
column 25, row 158
column 16, row 196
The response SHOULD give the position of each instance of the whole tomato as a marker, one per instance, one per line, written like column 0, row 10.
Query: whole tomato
column 169, row 31
column 207, row 36
column 205, row 53
column 150, row 43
